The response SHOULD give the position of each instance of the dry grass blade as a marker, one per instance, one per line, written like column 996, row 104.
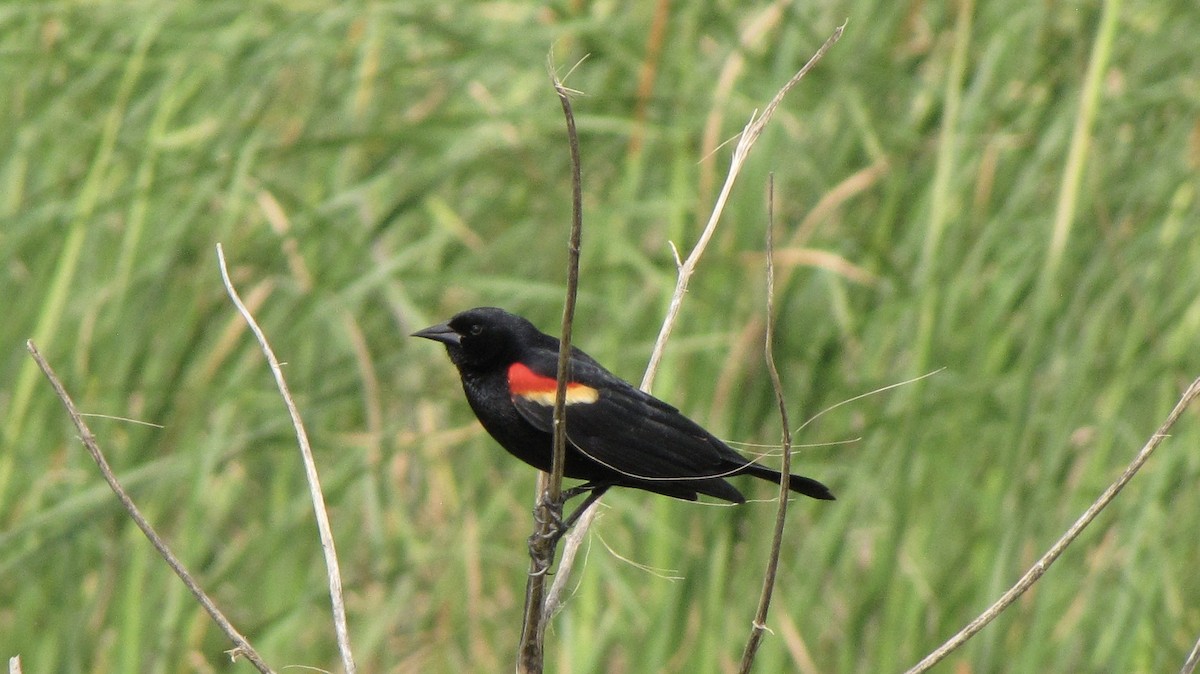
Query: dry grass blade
column 310, row 471
column 1035, row 572
column 241, row 645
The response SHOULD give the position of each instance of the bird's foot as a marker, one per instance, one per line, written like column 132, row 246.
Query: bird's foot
column 552, row 526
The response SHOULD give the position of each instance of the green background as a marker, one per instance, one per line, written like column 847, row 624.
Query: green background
column 944, row 199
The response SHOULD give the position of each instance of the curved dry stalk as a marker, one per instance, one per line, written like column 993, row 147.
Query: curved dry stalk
column 241, row 645
column 1039, row 567
column 310, row 471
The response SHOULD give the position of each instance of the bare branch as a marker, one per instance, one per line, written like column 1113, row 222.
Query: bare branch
column 1039, row 567
column 310, row 471
column 241, row 645
column 548, row 514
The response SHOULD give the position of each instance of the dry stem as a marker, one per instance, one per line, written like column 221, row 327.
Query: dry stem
column 548, row 515
column 764, row 602
column 310, row 471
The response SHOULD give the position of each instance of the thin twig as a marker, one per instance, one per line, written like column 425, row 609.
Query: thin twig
column 241, row 645
column 548, row 517
column 749, row 136
column 1035, row 572
column 685, row 270
column 764, row 601
column 310, row 471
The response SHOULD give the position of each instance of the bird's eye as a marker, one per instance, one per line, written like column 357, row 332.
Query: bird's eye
column 476, row 329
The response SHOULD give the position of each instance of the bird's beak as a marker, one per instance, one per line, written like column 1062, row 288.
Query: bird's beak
column 441, row 332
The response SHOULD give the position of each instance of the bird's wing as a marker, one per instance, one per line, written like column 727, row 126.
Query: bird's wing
column 617, row 425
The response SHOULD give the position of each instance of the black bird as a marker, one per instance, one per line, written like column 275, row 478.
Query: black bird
column 617, row 434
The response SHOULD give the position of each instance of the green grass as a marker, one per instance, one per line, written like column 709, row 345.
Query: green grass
column 417, row 155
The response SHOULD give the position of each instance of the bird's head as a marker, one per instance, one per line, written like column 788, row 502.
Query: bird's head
column 483, row 338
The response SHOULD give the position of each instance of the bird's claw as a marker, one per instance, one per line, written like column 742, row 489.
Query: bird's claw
column 550, row 527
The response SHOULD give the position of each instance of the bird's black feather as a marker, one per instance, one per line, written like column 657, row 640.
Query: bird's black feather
column 618, row 435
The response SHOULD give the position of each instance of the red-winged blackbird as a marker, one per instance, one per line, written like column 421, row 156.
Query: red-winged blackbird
column 618, row 435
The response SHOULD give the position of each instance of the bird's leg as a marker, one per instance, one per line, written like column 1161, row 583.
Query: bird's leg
column 595, row 491
column 584, row 488
column 559, row 526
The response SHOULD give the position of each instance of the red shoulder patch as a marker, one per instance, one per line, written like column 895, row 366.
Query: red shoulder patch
column 532, row 386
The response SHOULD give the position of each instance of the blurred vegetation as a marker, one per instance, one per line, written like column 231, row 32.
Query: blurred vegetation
column 371, row 168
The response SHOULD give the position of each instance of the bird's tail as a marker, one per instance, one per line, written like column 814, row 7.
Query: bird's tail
column 798, row 483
